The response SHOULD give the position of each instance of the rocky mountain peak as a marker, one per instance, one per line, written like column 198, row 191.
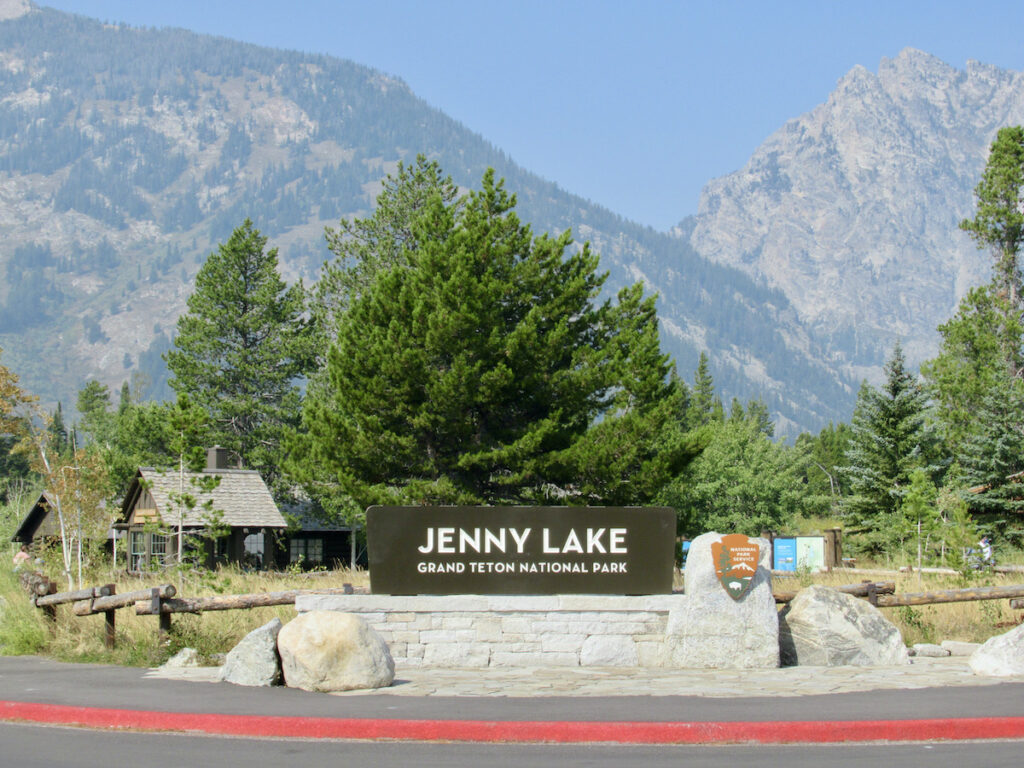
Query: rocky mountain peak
column 852, row 208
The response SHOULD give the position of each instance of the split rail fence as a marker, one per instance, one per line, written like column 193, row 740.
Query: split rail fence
column 161, row 601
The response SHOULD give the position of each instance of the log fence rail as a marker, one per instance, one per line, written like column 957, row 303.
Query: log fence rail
column 161, row 601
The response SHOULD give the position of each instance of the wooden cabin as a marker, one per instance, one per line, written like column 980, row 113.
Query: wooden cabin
column 313, row 542
column 241, row 502
column 38, row 524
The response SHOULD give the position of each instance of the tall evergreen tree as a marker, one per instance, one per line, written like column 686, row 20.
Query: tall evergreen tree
column 240, row 349
column 972, row 360
column 705, row 405
column 998, row 222
column 471, row 370
column 890, row 438
column 992, row 460
column 364, row 247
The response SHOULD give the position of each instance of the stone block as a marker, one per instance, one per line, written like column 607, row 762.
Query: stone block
column 488, row 630
column 457, row 621
column 651, row 653
column 456, row 655
column 928, row 650
column 518, row 625
column 562, row 643
column 608, row 651
column 960, row 648
column 429, row 636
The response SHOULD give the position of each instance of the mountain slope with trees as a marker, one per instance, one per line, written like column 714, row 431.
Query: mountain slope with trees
column 127, row 154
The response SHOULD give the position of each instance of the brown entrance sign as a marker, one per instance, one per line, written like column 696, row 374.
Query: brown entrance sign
column 520, row 550
column 736, row 557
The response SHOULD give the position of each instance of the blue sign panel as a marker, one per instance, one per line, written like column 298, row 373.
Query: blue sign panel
column 784, row 554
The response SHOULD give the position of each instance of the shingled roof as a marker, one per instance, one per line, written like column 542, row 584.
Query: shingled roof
column 242, row 497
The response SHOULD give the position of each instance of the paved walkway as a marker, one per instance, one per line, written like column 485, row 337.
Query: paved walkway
column 604, row 681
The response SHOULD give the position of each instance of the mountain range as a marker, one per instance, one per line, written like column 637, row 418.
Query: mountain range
column 127, row 154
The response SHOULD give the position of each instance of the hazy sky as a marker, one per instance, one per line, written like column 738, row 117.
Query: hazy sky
column 634, row 105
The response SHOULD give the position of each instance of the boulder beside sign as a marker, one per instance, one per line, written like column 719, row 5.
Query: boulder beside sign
column 736, row 557
column 712, row 631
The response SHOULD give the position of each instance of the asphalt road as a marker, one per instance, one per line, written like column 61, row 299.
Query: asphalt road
column 31, row 679
column 31, row 746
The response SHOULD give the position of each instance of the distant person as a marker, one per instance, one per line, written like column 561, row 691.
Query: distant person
column 985, row 545
column 21, row 556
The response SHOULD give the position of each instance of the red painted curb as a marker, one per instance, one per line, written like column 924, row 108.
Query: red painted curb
column 563, row 732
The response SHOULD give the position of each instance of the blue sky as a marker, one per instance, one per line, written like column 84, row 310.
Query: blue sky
column 634, row 105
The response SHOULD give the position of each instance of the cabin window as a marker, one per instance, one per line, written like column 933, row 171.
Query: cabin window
column 137, row 551
column 158, row 549
column 253, row 550
column 309, row 551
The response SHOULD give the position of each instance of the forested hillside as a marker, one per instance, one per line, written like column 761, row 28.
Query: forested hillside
column 127, row 154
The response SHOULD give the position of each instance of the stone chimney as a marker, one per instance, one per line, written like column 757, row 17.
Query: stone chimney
column 217, row 459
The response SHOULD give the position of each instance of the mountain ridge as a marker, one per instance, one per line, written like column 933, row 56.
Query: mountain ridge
column 852, row 208
column 128, row 154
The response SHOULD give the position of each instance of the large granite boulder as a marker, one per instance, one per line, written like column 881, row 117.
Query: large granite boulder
column 333, row 651
column 254, row 661
column 1001, row 656
column 712, row 630
column 822, row 627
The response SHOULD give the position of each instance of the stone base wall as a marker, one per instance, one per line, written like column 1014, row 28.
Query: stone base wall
column 514, row 630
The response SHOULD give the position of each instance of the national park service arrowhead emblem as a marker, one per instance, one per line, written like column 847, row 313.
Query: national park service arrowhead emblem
column 736, row 557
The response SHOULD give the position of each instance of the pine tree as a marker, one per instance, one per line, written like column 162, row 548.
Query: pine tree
column 13, row 423
column 470, row 370
column 705, row 405
column 972, row 360
column 364, row 247
column 998, row 222
column 992, row 460
column 890, row 438
column 240, row 349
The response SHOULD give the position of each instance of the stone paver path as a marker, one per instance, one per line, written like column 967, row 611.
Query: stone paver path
column 592, row 681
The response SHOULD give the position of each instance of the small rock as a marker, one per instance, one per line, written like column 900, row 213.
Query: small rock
column 254, row 661
column 186, row 657
column 929, row 650
column 1001, row 656
column 958, row 648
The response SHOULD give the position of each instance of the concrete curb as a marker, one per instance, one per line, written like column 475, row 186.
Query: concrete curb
column 496, row 731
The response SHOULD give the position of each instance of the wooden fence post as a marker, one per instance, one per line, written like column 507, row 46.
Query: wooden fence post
column 156, row 605
column 110, row 635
